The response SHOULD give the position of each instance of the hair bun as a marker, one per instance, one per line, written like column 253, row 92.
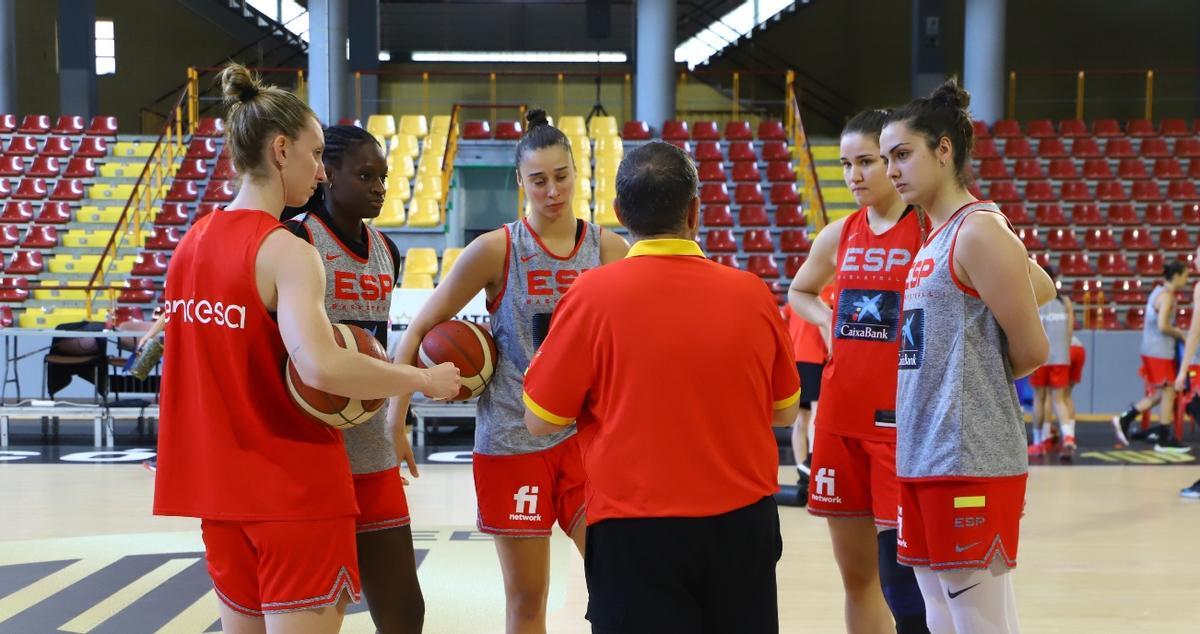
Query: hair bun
column 536, row 117
column 951, row 94
column 237, row 84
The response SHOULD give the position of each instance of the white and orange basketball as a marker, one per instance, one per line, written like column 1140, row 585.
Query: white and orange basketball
column 469, row 347
column 336, row 411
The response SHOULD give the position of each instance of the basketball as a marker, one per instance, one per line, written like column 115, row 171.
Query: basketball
column 469, row 347
column 338, row 411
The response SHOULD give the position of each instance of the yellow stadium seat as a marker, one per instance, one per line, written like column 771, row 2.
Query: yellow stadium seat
column 431, row 166
column 416, row 280
column 392, row 214
column 605, row 215
column 98, row 239
column 60, row 291
column 42, row 318
column 64, row 263
column 424, row 212
column 406, row 144
column 583, row 188
column 131, row 148
column 428, row 186
column 398, row 187
column 583, row 209
column 124, row 265
column 609, row 146
column 603, row 126
column 413, row 125
column 606, row 168
column 583, row 167
column 433, row 147
column 91, row 214
column 420, row 260
column 440, row 126
column 105, row 191
column 401, row 164
column 121, row 169
column 449, row 257
column 581, row 147
column 381, row 125
column 572, row 126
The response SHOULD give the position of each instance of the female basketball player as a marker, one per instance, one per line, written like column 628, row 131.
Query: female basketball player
column 523, row 483
column 271, row 486
column 853, row 483
column 1052, row 382
column 970, row 326
column 362, row 266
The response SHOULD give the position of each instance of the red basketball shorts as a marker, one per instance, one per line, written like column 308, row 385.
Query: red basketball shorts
column 1078, row 358
column 1052, row 376
column 852, row 477
column 960, row 524
column 524, row 495
column 382, row 502
column 260, row 568
column 1158, row 372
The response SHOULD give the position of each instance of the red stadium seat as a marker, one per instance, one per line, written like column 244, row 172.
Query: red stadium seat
column 1105, row 318
column 1149, row 264
column 1062, row 240
column 18, row 211
column 1018, row 148
column 1050, row 214
column 138, row 290
column 1113, row 264
column 1137, row 239
column 122, row 314
column 1187, row 148
column 705, row 131
column 1168, row 169
column 40, row 237
column 31, row 189
column 57, row 146
column 193, row 170
column 1041, row 129
column 34, row 124
column 224, row 170
column 1182, row 190
column 790, row 216
column 1160, row 214
column 1042, row 259
column 1106, row 128
column 203, row 209
column 5, row 189
column 350, row 121
column 68, row 189
column 748, row 194
column 784, row 194
column 1075, row 191
column 1086, row 147
column 720, row 241
column 711, row 172
column 512, row 131
column 631, row 131
column 183, row 192
column 714, row 193
column 985, row 148
column 1087, row 291
column 774, row 151
column 81, row 167
column 24, row 263
column 1100, row 240
column 1132, row 169
column 746, row 172
column 92, row 147
column 981, row 129
column 477, row 130
column 1052, row 148
column 1135, row 318
column 1029, row 169
column 726, row 259
column 1122, row 214
column 1075, row 264
column 717, row 216
column 1086, row 214
column 742, row 151
column 1140, row 128
column 758, row 241
column 163, row 239
column 686, row 146
column 1097, row 169
column 1183, row 318
column 993, row 169
column 771, row 130
column 70, row 125
column 1030, row 238
column 753, row 216
column 708, row 151
column 1155, row 148
column 794, row 241
column 54, row 213
column 1175, row 240
column 792, row 265
column 202, row 149
column 1007, row 129
column 8, row 123
column 1111, row 190
column 1063, row 169
column 1189, row 214
column 1119, row 148
column 210, row 127
column 10, row 235
column 172, row 214
column 1072, row 128
column 738, row 131
column 220, row 192
column 1147, row 191
column 21, row 146
column 12, row 166
column 1003, row 191
column 150, row 264
column 781, row 172
column 14, row 289
column 102, row 126
column 1016, row 214
column 1039, row 191
column 763, row 266
column 1129, row 292
column 673, row 130
column 1175, row 127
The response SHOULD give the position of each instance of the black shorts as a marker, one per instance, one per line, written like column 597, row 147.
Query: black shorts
column 810, row 382
column 685, row 574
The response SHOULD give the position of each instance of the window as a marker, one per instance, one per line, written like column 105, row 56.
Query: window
column 106, row 48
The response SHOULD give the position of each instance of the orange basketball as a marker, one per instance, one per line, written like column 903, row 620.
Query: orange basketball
column 333, row 410
column 466, row 345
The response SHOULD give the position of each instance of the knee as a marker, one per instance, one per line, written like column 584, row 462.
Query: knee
column 402, row 617
column 859, row 584
column 527, row 605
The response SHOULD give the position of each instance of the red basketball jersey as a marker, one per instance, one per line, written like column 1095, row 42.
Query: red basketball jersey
column 858, row 387
column 232, row 445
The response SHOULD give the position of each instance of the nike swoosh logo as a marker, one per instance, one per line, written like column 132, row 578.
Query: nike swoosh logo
column 332, row 257
column 954, row 595
column 962, row 549
column 528, row 257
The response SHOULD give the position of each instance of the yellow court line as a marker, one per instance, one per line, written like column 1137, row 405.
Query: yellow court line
column 50, row 585
column 123, row 598
column 196, row 617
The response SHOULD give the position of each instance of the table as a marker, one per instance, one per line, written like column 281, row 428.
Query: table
column 103, row 418
column 12, row 355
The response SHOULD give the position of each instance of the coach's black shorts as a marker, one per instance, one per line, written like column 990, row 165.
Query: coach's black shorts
column 683, row 574
column 810, row 382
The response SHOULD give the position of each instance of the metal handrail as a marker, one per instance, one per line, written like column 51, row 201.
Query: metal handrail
column 808, row 166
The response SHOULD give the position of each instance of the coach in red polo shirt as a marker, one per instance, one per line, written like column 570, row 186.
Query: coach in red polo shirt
column 675, row 368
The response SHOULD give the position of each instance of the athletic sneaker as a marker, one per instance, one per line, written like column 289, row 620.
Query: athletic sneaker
column 1036, row 449
column 151, row 465
column 1069, row 444
column 1121, row 426
column 1192, row 492
column 1168, row 444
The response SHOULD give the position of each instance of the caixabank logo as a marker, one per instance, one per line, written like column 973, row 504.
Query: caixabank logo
column 867, row 315
column 912, row 339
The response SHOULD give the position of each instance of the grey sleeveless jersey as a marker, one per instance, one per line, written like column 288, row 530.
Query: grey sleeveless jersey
column 957, row 412
column 1054, row 321
column 359, row 292
column 535, row 281
column 1156, row 343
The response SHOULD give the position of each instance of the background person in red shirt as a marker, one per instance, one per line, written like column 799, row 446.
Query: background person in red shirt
column 675, row 414
column 808, row 344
